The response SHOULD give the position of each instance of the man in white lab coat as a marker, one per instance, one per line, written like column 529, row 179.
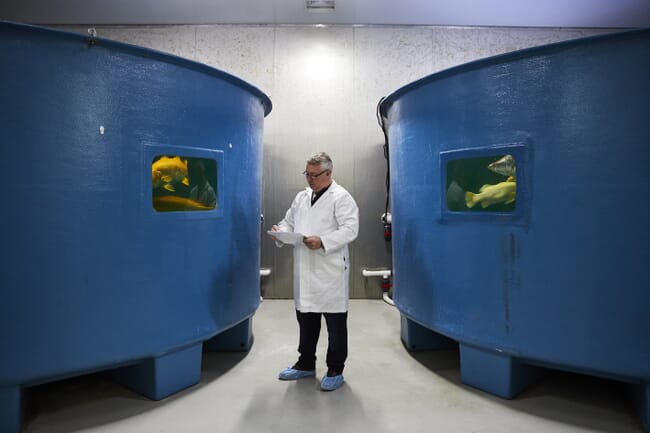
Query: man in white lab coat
column 328, row 218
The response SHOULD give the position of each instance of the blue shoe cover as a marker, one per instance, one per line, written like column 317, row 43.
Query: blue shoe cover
column 331, row 383
column 293, row 374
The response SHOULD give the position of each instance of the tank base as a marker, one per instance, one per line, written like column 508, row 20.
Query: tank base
column 11, row 409
column 643, row 404
column 417, row 337
column 159, row 377
column 239, row 338
column 497, row 374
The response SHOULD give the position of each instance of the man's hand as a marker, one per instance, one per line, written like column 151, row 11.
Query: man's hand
column 313, row 242
column 275, row 229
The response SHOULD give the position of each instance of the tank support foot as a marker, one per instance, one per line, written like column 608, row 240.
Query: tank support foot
column 417, row 337
column 159, row 377
column 11, row 409
column 496, row 373
column 239, row 338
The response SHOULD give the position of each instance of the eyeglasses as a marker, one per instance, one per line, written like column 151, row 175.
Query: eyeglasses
column 311, row 175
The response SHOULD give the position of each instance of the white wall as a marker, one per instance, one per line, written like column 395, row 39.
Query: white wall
column 325, row 83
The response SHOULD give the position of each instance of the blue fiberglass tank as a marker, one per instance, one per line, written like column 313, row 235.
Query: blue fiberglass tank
column 131, row 223
column 519, row 188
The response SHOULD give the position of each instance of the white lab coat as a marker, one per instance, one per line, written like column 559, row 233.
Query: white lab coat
column 321, row 280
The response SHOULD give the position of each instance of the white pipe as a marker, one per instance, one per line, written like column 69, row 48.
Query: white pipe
column 384, row 273
column 387, row 299
column 264, row 272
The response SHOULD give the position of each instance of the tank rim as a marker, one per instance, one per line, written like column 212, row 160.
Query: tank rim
column 390, row 99
column 6, row 26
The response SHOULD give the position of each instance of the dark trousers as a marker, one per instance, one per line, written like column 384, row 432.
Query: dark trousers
column 337, row 347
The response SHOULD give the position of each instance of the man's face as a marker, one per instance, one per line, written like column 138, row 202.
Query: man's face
column 316, row 177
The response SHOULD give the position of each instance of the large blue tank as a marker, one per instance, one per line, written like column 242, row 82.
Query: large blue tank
column 131, row 216
column 519, row 188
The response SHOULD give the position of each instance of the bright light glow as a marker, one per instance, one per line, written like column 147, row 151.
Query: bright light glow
column 320, row 63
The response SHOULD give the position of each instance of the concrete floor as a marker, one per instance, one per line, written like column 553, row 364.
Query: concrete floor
column 387, row 390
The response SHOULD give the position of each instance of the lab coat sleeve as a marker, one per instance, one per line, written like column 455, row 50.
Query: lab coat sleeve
column 346, row 213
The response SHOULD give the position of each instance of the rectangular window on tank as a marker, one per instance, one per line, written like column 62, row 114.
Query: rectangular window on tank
column 482, row 184
column 183, row 184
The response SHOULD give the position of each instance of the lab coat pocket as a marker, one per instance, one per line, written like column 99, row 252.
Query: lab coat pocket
column 332, row 267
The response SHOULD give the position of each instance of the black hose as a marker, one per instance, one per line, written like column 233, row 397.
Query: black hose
column 382, row 125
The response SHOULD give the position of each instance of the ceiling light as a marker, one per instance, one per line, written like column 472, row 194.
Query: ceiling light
column 319, row 5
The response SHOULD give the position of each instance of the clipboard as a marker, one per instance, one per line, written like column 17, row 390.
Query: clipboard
column 291, row 238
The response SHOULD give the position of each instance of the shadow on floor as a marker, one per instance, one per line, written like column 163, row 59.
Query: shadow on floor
column 303, row 407
column 565, row 397
column 60, row 398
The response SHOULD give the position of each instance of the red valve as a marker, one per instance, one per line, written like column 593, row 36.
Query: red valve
column 388, row 233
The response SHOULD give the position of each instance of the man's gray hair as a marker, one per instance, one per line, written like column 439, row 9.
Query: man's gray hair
column 322, row 159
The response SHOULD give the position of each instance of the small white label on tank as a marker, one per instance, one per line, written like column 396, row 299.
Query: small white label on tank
column 230, row 145
column 101, row 129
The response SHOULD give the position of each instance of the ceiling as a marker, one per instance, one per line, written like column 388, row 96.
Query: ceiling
column 518, row 13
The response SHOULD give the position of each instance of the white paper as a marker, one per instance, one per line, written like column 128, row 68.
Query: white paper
column 287, row 237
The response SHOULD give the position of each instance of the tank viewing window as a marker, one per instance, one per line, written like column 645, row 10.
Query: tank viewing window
column 183, row 184
column 483, row 184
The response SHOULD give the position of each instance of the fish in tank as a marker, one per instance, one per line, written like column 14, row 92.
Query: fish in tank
column 502, row 192
column 180, row 184
column 505, row 166
column 167, row 172
column 482, row 184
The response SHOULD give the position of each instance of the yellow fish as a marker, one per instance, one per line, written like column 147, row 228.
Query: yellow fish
column 166, row 171
column 170, row 203
column 503, row 192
